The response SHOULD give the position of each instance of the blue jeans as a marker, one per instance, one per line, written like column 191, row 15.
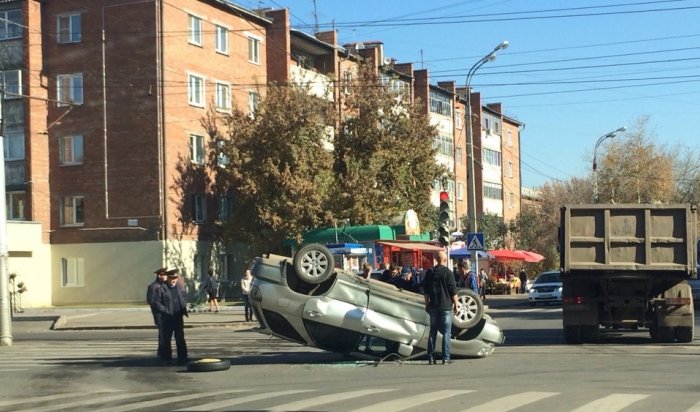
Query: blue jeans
column 440, row 321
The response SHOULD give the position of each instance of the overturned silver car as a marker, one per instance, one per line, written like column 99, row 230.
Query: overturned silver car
column 309, row 301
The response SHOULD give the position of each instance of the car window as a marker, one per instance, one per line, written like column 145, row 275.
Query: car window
column 548, row 277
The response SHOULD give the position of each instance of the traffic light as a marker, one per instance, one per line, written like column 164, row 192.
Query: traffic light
column 444, row 219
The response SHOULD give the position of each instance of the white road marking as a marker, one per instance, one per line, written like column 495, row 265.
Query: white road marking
column 167, row 400
column 311, row 403
column 611, row 403
column 412, row 401
column 232, row 402
column 41, row 398
column 92, row 401
column 510, row 402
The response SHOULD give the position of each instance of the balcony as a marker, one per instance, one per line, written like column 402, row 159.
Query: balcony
column 319, row 85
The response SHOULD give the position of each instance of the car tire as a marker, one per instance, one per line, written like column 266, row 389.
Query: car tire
column 572, row 334
column 471, row 309
column 684, row 334
column 208, row 365
column 314, row 263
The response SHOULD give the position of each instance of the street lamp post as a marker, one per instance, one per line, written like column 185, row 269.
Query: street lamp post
column 610, row 135
column 471, row 177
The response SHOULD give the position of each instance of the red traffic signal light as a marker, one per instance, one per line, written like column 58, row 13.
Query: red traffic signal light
column 444, row 197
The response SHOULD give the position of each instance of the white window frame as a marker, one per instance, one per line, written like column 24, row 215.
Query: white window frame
column 509, row 138
column 12, row 83
column 225, row 207
column 72, row 272
column 509, row 171
column 197, row 152
column 70, row 93
column 253, row 102
column 511, row 200
column 11, row 24
column 12, row 198
column 73, row 33
column 221, row 39
column 347, row 81
column 14, row 144
column 199, row 208
column 223, row 96
column 253, row 48
column 194, row 26
column 74, row 154
column 458, row 155
column 459, row 119
column 196, row 85
column 460, row 191
column 75, row 205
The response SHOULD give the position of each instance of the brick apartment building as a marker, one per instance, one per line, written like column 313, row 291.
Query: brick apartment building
column 105, row 151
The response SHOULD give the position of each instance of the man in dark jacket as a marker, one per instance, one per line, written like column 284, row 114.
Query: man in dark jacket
column 159, row 282
column 441, row 301
column 171, row 304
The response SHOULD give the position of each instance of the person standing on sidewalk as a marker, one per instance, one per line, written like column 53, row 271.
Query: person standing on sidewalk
column 171, row 304
column 245, row 291
column 440, row 293
column 211, row 287
column 159, row 282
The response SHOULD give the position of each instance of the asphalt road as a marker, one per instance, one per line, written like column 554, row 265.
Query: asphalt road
column 533, row 371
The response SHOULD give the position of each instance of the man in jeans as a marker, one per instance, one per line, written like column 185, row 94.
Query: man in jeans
column 440, row 292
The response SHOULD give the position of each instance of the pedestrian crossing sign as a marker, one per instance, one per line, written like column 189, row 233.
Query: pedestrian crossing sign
column 475, row 241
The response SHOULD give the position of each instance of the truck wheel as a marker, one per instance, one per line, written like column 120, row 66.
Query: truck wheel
column 665, row 334
column 684, row 334
column 314, row 263
column 572, row 334
column 470, row 310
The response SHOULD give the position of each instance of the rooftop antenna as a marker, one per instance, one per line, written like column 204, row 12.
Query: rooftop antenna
column 421, row 59
column 315, row 18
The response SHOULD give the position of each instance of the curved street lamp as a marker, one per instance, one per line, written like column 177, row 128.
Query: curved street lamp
column 610, row 135
column 471, row 178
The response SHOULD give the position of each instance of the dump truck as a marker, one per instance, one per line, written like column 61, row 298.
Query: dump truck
column 626, row 266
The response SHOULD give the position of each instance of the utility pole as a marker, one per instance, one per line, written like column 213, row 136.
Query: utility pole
column 5, row 314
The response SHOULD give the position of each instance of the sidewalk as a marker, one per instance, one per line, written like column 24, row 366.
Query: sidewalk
column 140, row 317
column 129, row 318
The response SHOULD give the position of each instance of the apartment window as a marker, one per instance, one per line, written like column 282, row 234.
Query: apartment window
column 347, row 81
column 253, row 102
column 15, row 202
column 440, row 103
column 458, row 155
column 11, row 81
column 511, row 200
column 459, row 119
column 491, row 124
column 225, row 266
column 10, row 24
column 199, row 208
column 253, row 50
column 69, row 89
column 492, row 157
column 224, row 208
column 72, row 272
column 460, row 191
column 510, row 169
column 70, row 150
column 199, row 265
column 72, row 211
column 13, row 144
column 195, row 27
column 223, row 96
column 68, row 28
column 493, row 191
column 221, row 39
column 195, row 90
column 509, row 139
column 443, row 145
column 197, row 149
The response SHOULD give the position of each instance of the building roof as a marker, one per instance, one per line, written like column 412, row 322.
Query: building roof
column 240, row 11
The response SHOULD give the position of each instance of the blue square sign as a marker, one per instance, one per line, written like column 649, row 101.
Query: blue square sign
column 475, row 241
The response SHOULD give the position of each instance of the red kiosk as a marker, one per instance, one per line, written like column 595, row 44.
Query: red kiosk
column 420, row 255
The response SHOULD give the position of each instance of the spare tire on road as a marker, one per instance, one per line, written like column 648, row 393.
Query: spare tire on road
column 208, row 365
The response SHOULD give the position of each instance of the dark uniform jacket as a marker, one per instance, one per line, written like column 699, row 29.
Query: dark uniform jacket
column 164, row 304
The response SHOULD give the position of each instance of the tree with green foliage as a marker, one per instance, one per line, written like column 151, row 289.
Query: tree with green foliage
column 384, row 157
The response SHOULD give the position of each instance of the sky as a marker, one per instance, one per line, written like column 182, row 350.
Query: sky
column 573, row 72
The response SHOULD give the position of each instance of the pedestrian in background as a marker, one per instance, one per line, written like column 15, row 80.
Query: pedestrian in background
column 245, row 291
column 484, row 283
column 211, row 287
column 523, row 280
column 171, row 304
column 159, row 282
column 440, row 293
column 366, row 271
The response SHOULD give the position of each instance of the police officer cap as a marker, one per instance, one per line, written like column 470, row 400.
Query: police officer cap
column 160, row 271
column 172, row 273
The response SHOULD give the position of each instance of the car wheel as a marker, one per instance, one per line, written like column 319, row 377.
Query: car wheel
column 314, row 263
column 684, row 334
column 572, row 334
column 470, row 310
column 665, row 334
column 208, row 365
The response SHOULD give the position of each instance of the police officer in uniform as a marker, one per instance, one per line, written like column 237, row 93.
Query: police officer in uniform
column 159, row 282
column 171, row 304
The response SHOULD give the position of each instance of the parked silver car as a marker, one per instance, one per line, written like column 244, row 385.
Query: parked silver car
column 546, row 289
column 309, row 301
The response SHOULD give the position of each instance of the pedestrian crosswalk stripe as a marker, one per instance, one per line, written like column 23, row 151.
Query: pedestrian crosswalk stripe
column 233, row 402
column 611, row 403
column 44, row 398
column 695, row 408
column 94, row 400
column 510, row 402
column 412, row 401
column 168, row 400
column 312, row 403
